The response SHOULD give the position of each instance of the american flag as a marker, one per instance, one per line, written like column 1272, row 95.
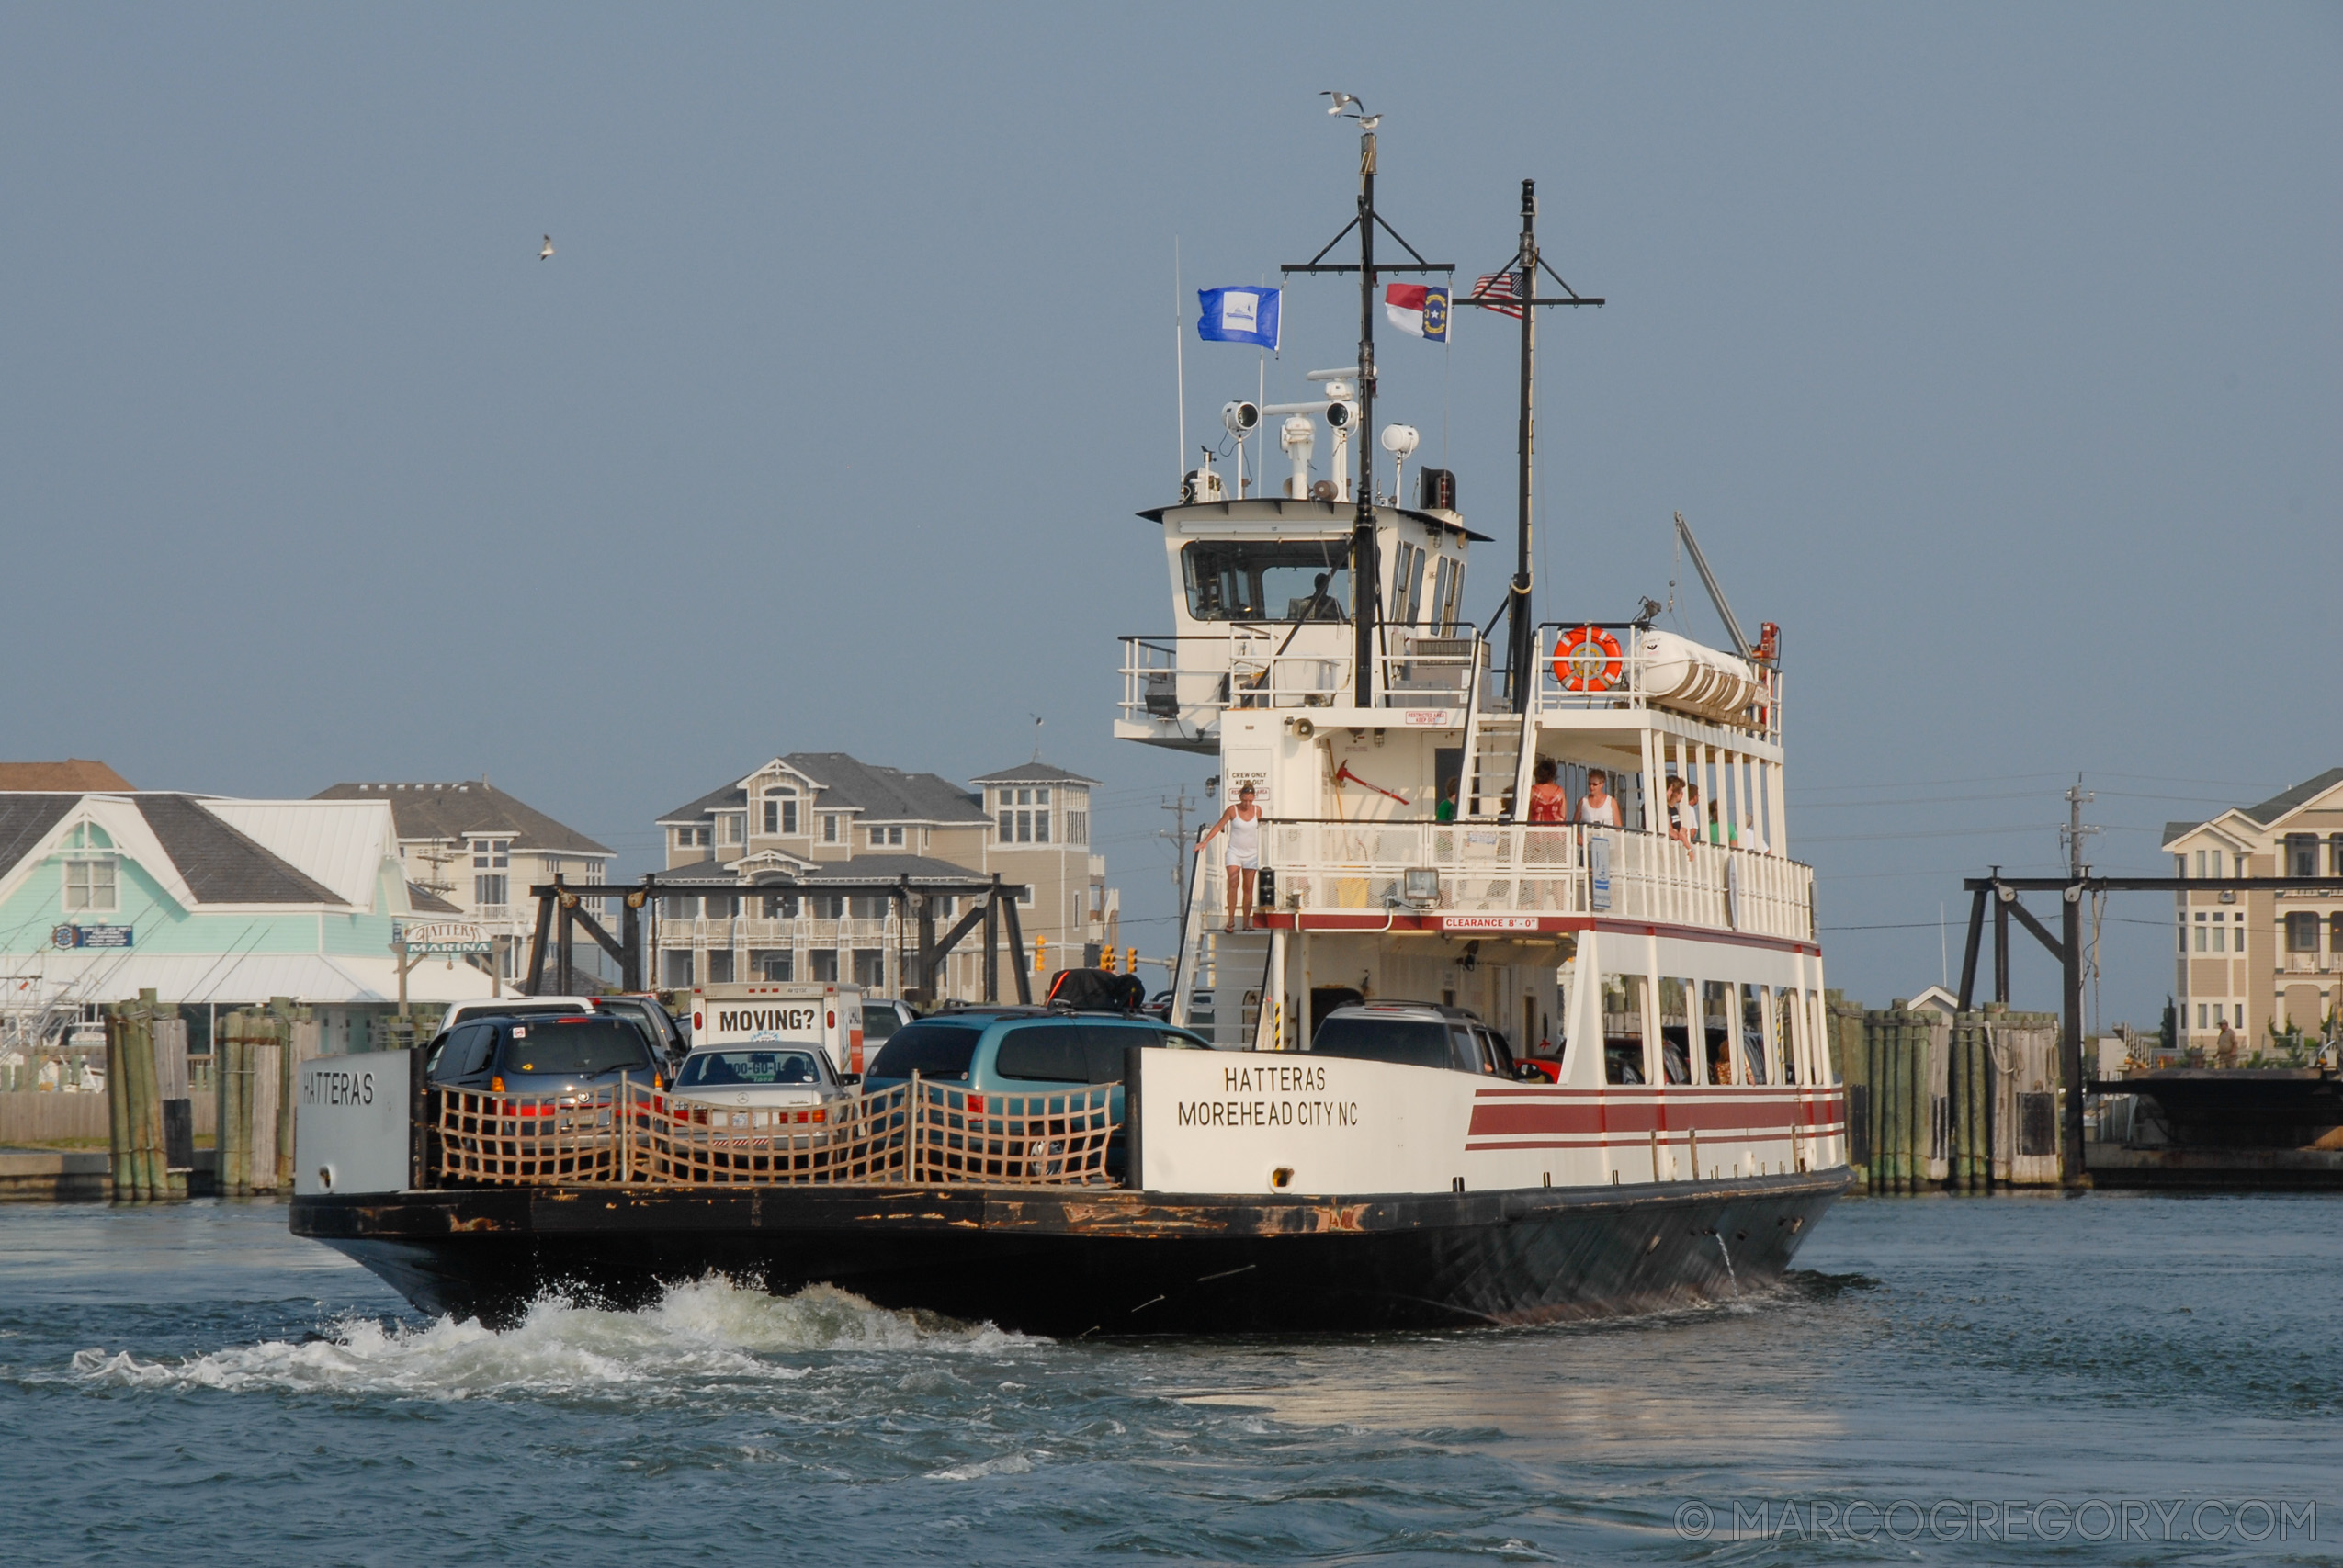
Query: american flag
column 1498, row 286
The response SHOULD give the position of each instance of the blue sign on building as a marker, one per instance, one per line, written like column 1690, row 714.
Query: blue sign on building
column 91, row 936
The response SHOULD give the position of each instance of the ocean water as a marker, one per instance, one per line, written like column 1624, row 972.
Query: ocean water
column 2136, row 1378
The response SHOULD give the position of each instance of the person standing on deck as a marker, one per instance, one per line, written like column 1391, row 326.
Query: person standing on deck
column 1549, row 803
column 1242, row 821
column 1599, row 804
column 1680, row 817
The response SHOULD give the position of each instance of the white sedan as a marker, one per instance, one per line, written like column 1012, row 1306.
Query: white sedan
column 759, row 1090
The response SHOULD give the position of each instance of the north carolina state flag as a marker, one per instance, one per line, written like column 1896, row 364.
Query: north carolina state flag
column 1418, row 309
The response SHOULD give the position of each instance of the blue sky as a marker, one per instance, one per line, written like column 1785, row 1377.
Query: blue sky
column 1994, row 351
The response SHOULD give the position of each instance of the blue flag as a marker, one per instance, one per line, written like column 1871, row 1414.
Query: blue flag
column 1238, row 315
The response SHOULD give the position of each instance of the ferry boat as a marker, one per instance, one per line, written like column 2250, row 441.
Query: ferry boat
column 1676, row 1129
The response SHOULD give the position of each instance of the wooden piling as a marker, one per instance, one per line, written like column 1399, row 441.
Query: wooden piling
column 1973, row 1096
column 156, row 1179
column 137, row 1092
column 1899, row 1103
column 232, row 1078
column 283, row 1010
column 117, row 1104
column 1922, row 1048
column 1874, row 1168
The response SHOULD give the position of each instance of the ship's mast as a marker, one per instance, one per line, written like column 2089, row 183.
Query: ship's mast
column 1367, row 571
column 1519, row 299
column 1366, row 576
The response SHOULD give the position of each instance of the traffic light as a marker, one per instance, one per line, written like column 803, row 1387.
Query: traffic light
column 1106, row 960
column 1132, row 965
column 1041, row 956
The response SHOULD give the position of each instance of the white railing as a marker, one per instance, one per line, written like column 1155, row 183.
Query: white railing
column 1493, row 867
column 1191, row 681
column 2310, row 963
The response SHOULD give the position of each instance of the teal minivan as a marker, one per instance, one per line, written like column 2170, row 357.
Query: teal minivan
column 1020, row 1051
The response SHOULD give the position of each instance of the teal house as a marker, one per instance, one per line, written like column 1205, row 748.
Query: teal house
column 211, row 903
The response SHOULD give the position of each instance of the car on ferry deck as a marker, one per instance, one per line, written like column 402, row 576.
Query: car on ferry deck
column 882, row 1016
column 760, row 1087
column 1021, row 1050
column 1424, row 1034
column 1025, row 1051
column 560, row 1055
column 646, row 1009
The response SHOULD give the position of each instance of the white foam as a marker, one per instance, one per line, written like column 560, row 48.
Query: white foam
column 1007, row 1464
column 708, row 1330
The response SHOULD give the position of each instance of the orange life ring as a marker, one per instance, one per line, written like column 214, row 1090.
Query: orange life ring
column 1587, row 660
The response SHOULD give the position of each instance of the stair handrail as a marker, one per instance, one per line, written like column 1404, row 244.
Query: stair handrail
column 1465, row 774
column 1191, row 933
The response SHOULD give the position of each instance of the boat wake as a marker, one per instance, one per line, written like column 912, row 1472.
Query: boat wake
column 707, row 1332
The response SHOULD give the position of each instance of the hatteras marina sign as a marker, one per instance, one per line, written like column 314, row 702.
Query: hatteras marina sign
column 434, row 937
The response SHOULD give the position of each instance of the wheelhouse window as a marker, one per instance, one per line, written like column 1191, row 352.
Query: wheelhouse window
column 1268, row 579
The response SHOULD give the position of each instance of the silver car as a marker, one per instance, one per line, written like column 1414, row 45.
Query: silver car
column 755, row 1092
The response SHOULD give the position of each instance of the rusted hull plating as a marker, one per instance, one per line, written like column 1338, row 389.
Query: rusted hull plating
column 1104, row 1261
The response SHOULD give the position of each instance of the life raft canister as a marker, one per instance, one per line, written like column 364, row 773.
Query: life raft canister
column 1587, row 660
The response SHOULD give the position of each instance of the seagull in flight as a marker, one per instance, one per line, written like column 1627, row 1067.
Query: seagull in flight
column 546, row 254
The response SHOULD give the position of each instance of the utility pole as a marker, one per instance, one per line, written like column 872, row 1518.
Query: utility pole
column 1179, row 837
column 2071, row 972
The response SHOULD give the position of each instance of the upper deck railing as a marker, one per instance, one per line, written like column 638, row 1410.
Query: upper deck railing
column 1488, row 868
column 1189, row 681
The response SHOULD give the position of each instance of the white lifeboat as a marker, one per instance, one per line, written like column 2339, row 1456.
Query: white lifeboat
column 1674, row 672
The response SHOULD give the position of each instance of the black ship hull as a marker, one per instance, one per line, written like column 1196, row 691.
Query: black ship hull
column 1067, row 1262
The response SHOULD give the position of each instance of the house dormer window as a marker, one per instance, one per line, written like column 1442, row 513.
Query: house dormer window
column 492, row 854
column 781, row 811
column 829, row 827
column 90, row 883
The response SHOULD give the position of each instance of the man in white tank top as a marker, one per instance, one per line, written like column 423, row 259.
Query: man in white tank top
column 1242, row 823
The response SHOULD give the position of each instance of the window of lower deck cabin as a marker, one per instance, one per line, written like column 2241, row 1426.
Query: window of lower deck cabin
column 1785, row 1036
column 1716, row 1030
column 1268, row 579
column 1622, row 1030
column 1826, row 1069
column 1753, row 1051
column 1678, row 999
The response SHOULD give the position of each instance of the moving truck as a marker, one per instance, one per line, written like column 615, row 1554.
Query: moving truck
column 810, row 1012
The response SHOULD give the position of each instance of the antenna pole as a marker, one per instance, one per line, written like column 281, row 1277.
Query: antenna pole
column 1180, row 365
column 1522, row 628
column 1365, row 572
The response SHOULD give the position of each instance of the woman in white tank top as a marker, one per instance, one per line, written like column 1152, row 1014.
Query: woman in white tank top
column 1242, row 823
